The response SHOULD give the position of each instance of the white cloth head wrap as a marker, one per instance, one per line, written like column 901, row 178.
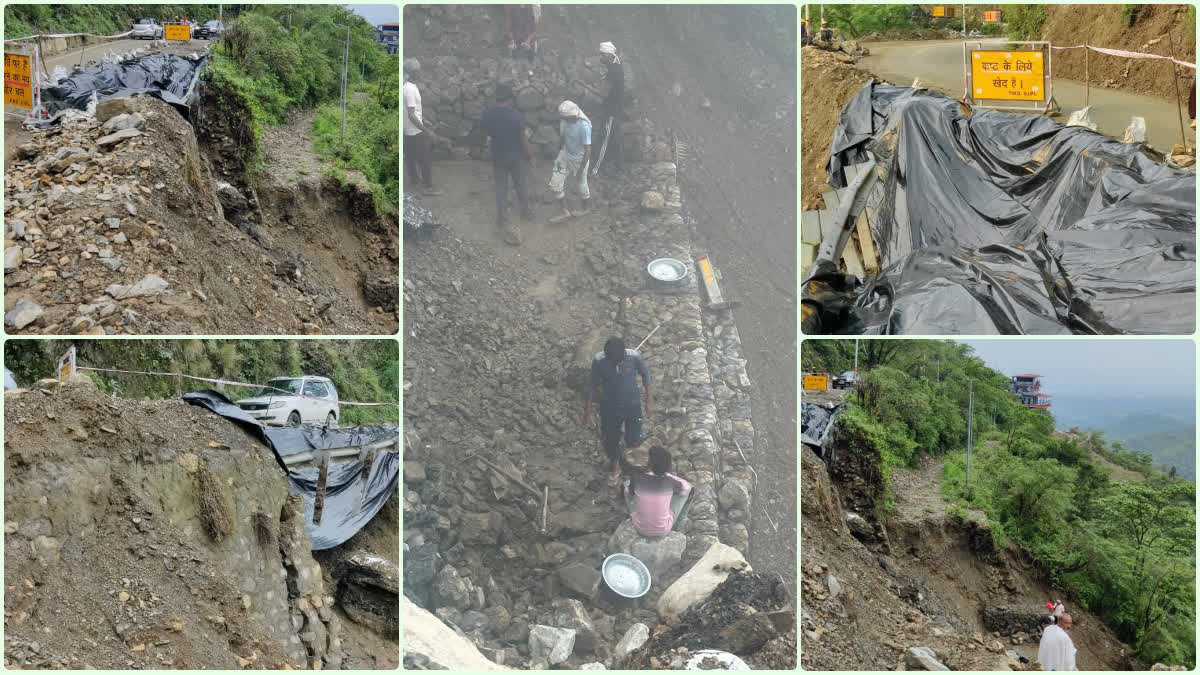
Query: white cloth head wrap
column 569, row 108
column 608, row 48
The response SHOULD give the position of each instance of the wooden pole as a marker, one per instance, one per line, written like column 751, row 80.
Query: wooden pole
column 1178, row 100
column 1087, row 79
column 319, row 501
column 509, row 476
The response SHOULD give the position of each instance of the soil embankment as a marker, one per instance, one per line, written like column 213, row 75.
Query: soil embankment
column 158, row 535
column 1156, row 29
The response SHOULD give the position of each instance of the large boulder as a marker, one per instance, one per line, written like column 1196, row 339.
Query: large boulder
column 570, row 613
column 659, row 554
column 451, row 590
column 112, row 107
column 550, row 645
column 922, row 658
column 631, row 641
column 580, row 579
column 427, row 636
column 699, row 582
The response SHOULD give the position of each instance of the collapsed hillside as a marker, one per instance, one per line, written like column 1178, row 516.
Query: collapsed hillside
column 877, row 590
column 139, row 221
column 159, row 535
column 829, row 80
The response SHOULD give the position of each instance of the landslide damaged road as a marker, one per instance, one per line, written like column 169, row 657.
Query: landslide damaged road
column 938, row 63
column 164, row 231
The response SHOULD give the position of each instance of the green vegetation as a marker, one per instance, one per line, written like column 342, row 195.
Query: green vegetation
column 1131, row 13
column 362, row 370
column 276, row 58
column 855, row 21
column 1024, row 21
column 24, row 20
column 1125, row 551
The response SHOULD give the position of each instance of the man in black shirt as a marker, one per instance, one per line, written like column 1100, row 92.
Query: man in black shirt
column 613, row 92
column 510, row 154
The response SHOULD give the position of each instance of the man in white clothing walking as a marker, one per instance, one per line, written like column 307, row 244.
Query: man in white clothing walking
column 1056, row 651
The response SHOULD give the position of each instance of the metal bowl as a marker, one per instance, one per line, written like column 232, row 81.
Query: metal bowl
column 626, row 575
column 668, row 270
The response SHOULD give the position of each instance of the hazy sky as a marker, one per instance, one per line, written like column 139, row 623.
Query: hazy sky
column 377, row 14
column 1096, row 365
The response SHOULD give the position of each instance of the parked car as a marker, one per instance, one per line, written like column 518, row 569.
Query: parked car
column 148, row 28
column 292, row 401
column 846, row 380
column 208, row 30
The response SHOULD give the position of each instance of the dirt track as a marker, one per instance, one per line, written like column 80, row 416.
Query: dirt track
column 938, row 63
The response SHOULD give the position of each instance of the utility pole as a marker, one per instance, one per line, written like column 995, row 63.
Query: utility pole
column 970, row 428
column 345, row 78
column 964, row 20
column 220, row 14
column 822, row 13
column 855, row 356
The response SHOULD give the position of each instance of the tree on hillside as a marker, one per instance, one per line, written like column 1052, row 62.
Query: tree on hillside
column 1159, row 523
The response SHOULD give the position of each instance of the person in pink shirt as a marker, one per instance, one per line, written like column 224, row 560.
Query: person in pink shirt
column 657, row 499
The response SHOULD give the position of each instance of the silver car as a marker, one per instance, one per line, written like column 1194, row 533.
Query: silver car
column 148, row 28
column 292, row 401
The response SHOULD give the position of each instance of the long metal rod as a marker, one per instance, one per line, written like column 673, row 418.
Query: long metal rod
column 647, row 337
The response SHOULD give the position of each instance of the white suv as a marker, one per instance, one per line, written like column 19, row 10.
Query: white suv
column 274, row 405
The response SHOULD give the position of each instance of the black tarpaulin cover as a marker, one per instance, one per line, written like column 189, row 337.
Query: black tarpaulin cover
column 342, row 517
column 165, row 76
column 1007, row 223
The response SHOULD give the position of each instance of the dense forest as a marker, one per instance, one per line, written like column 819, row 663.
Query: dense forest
column 362, row 370
column 274, row 59
column 1123, row 547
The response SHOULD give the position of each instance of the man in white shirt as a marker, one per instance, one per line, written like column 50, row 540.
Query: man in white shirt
column 1056, row 651
column 418, row 148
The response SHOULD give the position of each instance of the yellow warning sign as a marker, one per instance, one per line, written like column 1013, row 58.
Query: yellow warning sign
column 18, row 81
column 939, row 11
column 991, row 17
column 1008, row 76
column 177, row 31
column 816, row 382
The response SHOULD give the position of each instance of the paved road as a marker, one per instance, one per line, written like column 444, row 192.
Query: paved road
column 939, row 65
column 73, row 57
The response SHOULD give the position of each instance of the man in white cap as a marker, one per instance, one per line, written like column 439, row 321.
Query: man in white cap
column 572, row 161
column 418, row 148
column 612, row 90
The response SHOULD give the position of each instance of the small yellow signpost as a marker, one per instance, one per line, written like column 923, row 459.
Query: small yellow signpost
column 1008, row 75
column 177, row 31
column 939, row 11
column 18, row 80
column 816, row 382
column 991, row 17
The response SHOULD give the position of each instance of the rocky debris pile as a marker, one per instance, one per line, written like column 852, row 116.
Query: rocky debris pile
column 827, row 84
column 419, row 222
column 152, row 553
column 748, row 614
column 844, row 51
column 475, row 556
column 125, row 202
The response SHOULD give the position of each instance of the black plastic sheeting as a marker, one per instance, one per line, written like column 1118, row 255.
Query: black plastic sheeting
column 1006, row 223
column 816, row 421
column 164, row 76
column 341, row 517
